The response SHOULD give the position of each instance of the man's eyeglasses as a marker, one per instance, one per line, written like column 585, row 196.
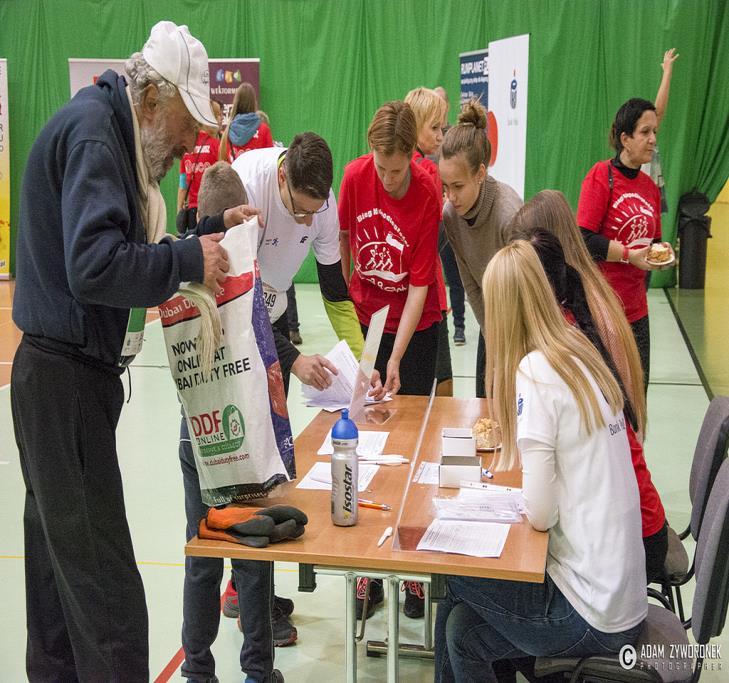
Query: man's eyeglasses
column 303, row 214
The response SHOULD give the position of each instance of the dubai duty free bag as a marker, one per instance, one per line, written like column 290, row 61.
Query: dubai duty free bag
column 236, row 413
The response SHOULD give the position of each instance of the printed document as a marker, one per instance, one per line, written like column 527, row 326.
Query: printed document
column 478, row 539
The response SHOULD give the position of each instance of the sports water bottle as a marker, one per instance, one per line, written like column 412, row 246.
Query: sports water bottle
column 345, row 471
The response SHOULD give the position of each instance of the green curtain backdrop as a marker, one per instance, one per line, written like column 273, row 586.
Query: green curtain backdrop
column 326, row 65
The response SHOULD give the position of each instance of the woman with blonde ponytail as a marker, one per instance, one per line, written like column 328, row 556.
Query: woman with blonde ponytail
column 584, row 295
column 560, row 410
column 477, row 211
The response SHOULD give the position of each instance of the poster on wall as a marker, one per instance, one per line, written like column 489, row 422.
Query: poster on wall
column 475, row 76
column 83, row 72
column 508, row 72
column 4, row 174
column 225, row 77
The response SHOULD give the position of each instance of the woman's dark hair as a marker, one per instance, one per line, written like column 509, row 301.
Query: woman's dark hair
column 570, row 294
column 309, row 166
column 627, row 119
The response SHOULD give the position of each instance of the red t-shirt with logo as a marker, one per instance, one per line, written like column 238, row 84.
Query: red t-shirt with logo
column 393, row 242
column 432, row 169
column 629, row 214
column 261, row 139
column 193, row 165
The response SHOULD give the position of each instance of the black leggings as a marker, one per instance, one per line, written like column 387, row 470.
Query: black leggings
column 417, row 367
column 642, row 334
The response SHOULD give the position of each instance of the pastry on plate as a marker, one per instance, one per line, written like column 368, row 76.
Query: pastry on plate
column 487, row 433
column 660, row 253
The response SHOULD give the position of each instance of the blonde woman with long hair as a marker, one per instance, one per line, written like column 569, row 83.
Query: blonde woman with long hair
column 584, row 293
column 560, row 410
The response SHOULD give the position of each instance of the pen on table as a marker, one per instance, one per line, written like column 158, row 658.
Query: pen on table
column 372, row 504
column 385, row 535
column 487, row 473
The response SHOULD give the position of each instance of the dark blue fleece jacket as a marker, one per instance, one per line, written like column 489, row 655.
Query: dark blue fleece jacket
column 82, row 260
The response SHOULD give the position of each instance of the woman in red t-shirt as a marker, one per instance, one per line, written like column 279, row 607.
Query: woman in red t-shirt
column 388, row 212
column 619, row 213
column 589, row 302
column 245, row 131
column 430, row 111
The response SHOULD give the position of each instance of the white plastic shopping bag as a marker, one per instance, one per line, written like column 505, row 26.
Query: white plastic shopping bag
column 236, row 413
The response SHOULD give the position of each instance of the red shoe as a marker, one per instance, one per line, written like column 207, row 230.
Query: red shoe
column 230, row 601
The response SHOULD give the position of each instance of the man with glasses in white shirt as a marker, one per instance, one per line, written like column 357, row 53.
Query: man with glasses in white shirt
column 293, row 189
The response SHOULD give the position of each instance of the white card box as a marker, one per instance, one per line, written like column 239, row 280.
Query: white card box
column 457, row 468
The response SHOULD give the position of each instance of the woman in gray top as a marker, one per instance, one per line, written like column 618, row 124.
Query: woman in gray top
column 477, row 212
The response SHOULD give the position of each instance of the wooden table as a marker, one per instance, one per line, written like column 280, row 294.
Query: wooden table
column 353, row 551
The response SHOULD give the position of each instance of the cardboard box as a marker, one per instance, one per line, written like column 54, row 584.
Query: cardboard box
column 457, row 468
column 458, row 445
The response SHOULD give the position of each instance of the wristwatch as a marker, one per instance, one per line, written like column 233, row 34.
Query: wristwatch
column 624, row 258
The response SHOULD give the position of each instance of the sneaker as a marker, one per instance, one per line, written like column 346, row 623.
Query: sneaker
column 295, row 338
column 284, row 632
column 283, row 605
column 230, row 601
column 275, row 677
column 377, row 595
column 459, row 336
column 414, row 599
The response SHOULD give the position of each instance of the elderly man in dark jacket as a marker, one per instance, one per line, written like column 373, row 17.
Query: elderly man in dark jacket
column 92, row 249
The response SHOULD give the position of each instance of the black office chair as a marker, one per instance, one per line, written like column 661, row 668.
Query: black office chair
column 664, row 628
column 710, row 452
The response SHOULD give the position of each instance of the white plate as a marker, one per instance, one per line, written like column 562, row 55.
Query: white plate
column 489, row 450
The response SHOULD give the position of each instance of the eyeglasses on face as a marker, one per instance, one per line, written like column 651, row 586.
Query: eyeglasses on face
column 303, row 214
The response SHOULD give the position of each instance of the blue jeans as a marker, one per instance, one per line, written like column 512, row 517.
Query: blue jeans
column 485, row 620
column 201, row 598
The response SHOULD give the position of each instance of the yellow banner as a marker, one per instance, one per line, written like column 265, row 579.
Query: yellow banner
column 4, row 174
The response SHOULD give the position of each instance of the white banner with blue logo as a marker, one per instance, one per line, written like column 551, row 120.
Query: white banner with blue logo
column 508, row 72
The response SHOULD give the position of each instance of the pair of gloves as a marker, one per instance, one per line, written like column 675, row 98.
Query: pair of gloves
column 255, row 527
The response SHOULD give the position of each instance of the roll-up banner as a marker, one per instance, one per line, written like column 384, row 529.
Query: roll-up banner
column 4, row 174
column 508, row 72
column 225, row 76
column 475, row 86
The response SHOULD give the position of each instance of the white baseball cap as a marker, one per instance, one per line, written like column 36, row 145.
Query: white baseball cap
column 182, row 60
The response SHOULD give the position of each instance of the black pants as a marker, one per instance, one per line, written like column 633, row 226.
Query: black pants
column 443, row 365
column 201, row 600
column 642, row 334
column 282, row 325
column 481, row 368
column 86, row 614
column 455, row 285
column 292, row 312
column 656, row 547
column 417, row 367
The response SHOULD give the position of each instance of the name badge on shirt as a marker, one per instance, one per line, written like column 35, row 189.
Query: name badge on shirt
column 134, row 337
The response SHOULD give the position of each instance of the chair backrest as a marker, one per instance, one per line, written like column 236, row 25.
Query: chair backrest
column 712, row 563
column 710, row 452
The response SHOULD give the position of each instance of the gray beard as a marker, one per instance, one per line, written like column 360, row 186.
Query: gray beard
column 157, row 151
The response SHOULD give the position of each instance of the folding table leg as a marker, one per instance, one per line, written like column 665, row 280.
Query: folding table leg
column 393, row 629
column 350, row 654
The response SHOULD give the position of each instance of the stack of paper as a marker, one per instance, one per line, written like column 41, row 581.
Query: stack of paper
column 479, row 539
column 493, row 507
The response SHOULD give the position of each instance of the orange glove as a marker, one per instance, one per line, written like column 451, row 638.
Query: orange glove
column 255, row 527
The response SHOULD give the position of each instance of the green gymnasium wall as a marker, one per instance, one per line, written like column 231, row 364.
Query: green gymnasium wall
column 326, row 65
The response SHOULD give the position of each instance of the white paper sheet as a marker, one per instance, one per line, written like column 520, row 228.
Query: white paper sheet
column 478, row 539
column 339, row 393
column 370, row 444
column 472, row 490
column 319, row 477
column 427, row 474
column 482, row 507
